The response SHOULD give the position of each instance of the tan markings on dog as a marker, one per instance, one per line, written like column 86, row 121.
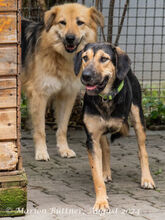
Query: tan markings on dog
column 99, row 156
column 119, row 50
column 95, row 161
column 146, row 179
column 94, row 124
column 105, row 69
column 97, row 125
column 89, row 53
column 124, row 130
column 49, row 70
column 115, row 123
column 106, row 158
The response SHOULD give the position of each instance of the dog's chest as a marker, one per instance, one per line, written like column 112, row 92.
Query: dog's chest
column 105, row 109
column 50, row 84
column 54, row 84
column 113, row 125
column 57, row 77
column 96, row 123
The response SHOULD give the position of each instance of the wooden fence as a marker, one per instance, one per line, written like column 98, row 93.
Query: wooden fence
column 12, row 176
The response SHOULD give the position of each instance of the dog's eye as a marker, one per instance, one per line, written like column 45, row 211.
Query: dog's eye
column 85, row 58
column 103, row 59
column 80, row 22
column 63, row 22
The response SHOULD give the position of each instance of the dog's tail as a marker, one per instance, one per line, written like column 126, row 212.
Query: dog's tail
column 24, row 24
column 123, row 132
column 30, row 34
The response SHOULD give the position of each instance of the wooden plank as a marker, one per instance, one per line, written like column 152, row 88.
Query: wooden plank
column 7, row 98
column 8, row 83
column 8, row 28
column 12, row 173
column 8, row 60
column 8, row 5
column 8, row 156
column 12, row 178
column 8, row 124
column 8, row 92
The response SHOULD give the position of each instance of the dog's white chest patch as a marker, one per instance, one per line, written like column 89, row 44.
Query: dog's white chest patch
column 51, row 85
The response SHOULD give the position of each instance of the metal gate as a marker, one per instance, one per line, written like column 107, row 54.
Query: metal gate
column 142, row 34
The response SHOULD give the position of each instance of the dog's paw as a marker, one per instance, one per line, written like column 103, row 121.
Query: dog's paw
column 67, row 153
column 147, row 183
column 102, row 206
column 42, row 155
column 107, row 178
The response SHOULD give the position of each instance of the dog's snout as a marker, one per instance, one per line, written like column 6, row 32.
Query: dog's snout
column 70, row 38
column 87, row 75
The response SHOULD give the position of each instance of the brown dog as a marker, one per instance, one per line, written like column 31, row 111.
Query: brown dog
column 48, row 49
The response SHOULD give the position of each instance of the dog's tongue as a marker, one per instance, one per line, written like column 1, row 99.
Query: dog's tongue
column 90, row 87
column 70, row 47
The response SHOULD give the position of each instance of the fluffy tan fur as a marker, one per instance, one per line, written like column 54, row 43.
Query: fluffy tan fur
column 49, row 71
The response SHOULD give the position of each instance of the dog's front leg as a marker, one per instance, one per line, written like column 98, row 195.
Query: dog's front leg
column 95, row 160
column 64, row 105
column 106, row 158
column 37, row 107
column 146, row 178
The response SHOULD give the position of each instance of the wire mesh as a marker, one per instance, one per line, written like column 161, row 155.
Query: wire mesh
column 142, row 34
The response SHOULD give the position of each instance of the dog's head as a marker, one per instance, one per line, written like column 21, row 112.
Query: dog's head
column 70, row 26
column 100, row 64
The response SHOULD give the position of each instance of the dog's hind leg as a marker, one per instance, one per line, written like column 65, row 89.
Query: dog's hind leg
column 137, row 117
column 64, row 105
column 37, row 106
column 106, row 158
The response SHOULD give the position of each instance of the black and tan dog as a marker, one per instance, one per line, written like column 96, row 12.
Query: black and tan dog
column 112, row 93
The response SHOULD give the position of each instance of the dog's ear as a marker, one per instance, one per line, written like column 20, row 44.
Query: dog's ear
column 77, row 62
column 97, row 16
column 123, row 63
column 49, row 17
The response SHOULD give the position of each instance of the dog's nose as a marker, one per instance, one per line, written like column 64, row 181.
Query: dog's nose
column 70, row 38
column 87, row 75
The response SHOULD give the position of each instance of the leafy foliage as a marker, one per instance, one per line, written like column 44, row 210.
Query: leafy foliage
column 154, row 107
column 24, row 110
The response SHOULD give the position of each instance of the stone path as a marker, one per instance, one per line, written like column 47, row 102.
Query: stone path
column 63, row 188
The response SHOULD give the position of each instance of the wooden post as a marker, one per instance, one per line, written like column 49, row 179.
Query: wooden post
column 13, row 193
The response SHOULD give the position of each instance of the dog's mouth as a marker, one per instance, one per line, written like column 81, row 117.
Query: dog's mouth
column 96, row 88
column 71, row 47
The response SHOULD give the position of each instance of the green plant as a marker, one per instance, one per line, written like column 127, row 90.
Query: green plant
column 24, row 111
column 158, row 172
column 154, row 107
